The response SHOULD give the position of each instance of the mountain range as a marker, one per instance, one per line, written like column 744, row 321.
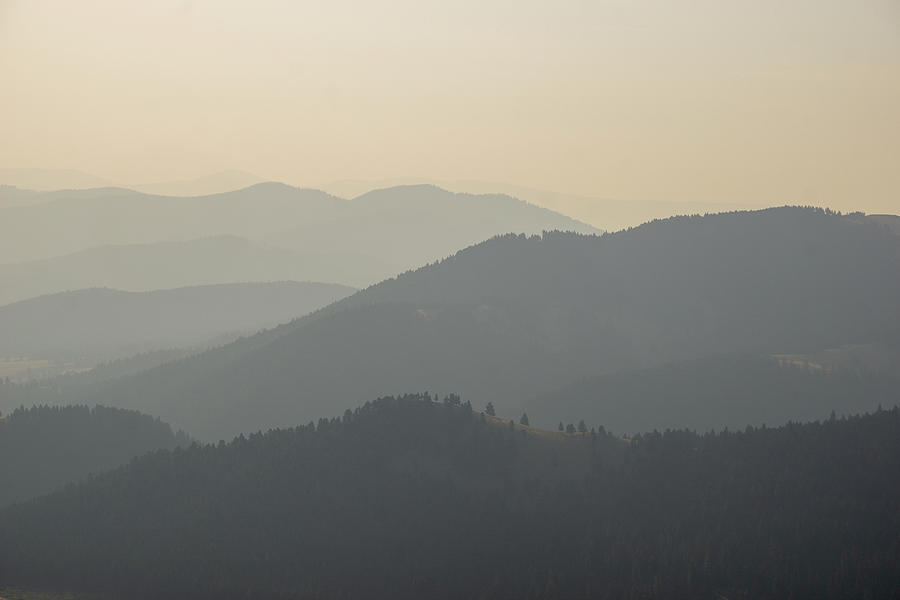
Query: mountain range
column 71, row 239
column 517, row 318
column 165, row 265
column 610, row 214
column 44, row 180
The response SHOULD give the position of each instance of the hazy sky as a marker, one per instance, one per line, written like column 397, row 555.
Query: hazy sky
column 710, row 100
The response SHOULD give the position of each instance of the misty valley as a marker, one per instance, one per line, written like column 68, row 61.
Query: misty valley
column 274, row 392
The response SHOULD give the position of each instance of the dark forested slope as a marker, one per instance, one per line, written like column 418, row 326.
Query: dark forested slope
column 42, row 448
column 408, row 498
column 516, row 317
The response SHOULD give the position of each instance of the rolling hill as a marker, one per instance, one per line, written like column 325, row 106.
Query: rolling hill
column 66, row 221
column 67, row 179
column 606, row 213
column 518, row 317
column 50, row 179
column 44, row 448
column 409, row 226
column 165, row 265
column 415, row 498
column 97, row 325
column 356, row 242
column 13, row 196
column 215, row 183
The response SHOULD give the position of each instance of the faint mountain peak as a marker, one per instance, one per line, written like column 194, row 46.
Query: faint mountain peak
column 405, row 189
column 276, row 190
column 216, row 183
column 277, row 187
column 51, row 179
column 489, row 208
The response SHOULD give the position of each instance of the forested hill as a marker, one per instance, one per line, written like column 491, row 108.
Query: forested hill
column 43, row 448
column 419, row 499
column 516, row 317
column 721, row 258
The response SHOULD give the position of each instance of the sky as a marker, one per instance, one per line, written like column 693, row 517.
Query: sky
column 743, row 101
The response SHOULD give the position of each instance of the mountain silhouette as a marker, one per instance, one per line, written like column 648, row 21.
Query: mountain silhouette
column 355, row 242
column 216, row 183
column 412, row 498
column 517, row 317
column 164, row 265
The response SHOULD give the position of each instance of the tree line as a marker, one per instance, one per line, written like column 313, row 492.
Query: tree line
column 419, row 498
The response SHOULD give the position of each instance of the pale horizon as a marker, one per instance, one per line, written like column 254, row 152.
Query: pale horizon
column 741, row 104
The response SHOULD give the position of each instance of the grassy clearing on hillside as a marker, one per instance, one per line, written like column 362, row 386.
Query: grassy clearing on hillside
column 24, row 369
column 875, row 357
column 550, row 434
column 557, row 455
column 16, row 367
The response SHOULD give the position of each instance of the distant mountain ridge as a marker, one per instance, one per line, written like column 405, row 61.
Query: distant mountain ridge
column 51, row 179
column 422, row 220
column 320, row 237
column 609, row 214
column 101, row 324
column 69, row 221
column 70, row 179
column 72, row 220
column 166, row 265
column 216, row 183
column 517, row 317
